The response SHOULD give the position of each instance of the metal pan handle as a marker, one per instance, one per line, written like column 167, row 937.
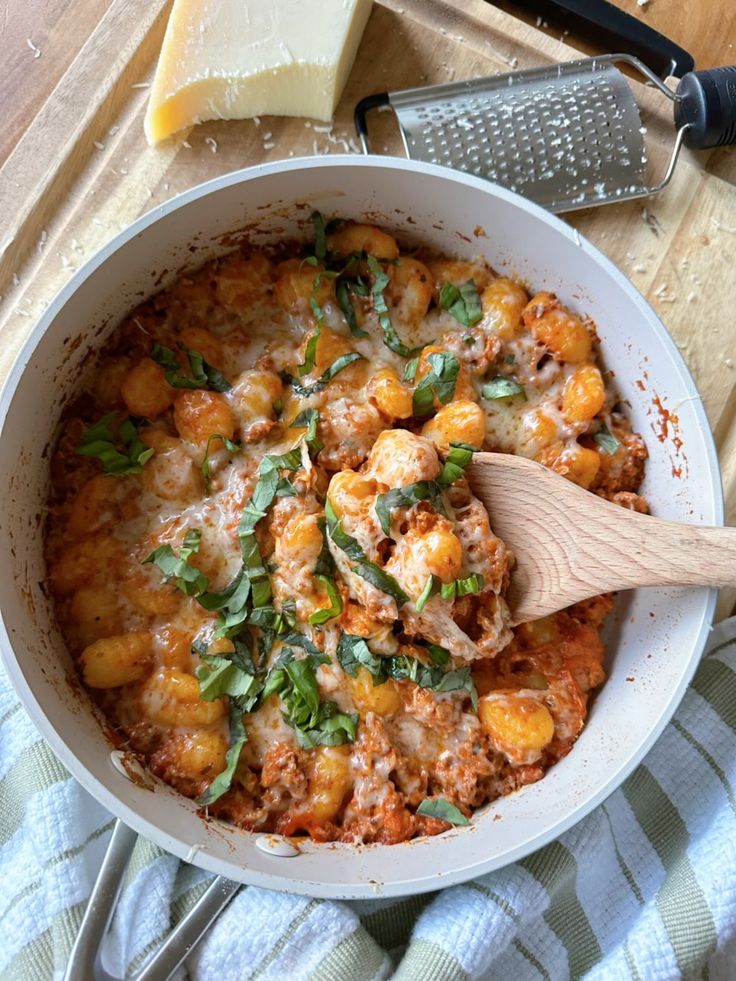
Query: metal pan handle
column 85, row 961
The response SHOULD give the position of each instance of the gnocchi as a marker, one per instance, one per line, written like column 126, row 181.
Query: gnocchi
column 269, row 565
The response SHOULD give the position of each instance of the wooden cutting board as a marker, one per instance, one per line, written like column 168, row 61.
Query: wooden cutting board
column 83, row 171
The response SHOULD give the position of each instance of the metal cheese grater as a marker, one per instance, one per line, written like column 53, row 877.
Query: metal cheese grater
column 567, row 136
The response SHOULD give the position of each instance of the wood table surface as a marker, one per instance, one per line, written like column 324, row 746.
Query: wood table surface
column 40, row 38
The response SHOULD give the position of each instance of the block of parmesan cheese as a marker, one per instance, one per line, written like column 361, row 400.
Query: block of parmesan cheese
column 233, row 59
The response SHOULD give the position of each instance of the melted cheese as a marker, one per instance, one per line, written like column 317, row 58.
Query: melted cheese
column 235, row 59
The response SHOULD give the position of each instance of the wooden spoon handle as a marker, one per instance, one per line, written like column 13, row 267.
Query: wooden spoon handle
column 665, row 553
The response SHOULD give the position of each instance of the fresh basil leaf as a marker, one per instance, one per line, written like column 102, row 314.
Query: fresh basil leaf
column 425, row 595
column 320, row 238
column 365, row 569
column 404, row 497
column 456, row 461
column 296, row 639
column 502, row 388
column 229, row 445
column 438, row 655
column 333, row 728
column 325, row 565
column 119, row 453
column 310, row 352
column 223, row 781
column 443, row 810
column 203, row 374
column 343, row 288
column 606, row 440
column 218, row 676
column 462, row 302
column 251, row 586
column 309, row 419
column 410, row 371
column 325, row 378
column 353, row 652
column 176, row 568
column 440, row 381
column 335, row 607
column 462, row 587
column 390, row 338
column 405, row 668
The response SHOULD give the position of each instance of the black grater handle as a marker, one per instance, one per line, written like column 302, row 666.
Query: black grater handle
column 706, row 104
column 615, row 30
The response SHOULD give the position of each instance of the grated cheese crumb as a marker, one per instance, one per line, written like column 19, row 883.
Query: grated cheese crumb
column 257, row 120
column 16, row 279
column 98, row 145
column 269, row 146
column 187, row 144
column 42, row 241
column 140, row 85
column 268, row 135
column 34, row 48
column 211, row 142
column 113, row 130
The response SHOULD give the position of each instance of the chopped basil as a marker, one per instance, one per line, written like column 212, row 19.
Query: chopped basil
column 251, row 587
column 510, row 358
column 119, row 453
column 320, row 239
column 364, row 568
column 332, row 728
column 410, row 371
column 434, row 676
column 325, row 378
column 325, row 565
column 229, row 445
column 219, row 675
column 310, row 352
column 468, row 340
column 456, row 461
column 176, row 568
column 316, row 723
column 309, row 418
column 606, row 440
column 404, row 497
column 425, row 595
column 343, row 288
column 335, row 607
column 203, row 374
column 502, row 388
column 390, row 338
column 449, row 590
column 438, row 655
column 223, row 781
column 353, row 652
column 462, row 302
column 440, row 382
column 462, row 587
column 443, row 810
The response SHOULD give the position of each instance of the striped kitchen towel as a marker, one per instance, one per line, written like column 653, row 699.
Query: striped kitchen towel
column 643, row 888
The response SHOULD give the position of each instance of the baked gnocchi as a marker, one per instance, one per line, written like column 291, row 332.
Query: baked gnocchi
column 267, row 560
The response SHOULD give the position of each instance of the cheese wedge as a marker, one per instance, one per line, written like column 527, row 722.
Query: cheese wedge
column 234, row 59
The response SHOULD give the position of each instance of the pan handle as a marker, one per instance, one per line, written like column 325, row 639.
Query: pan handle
column 85, row 960
column 615, row 30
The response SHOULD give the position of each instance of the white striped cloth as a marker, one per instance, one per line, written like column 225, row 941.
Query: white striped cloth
column 644, row 888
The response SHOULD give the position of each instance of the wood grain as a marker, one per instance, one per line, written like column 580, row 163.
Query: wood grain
column 570, row 545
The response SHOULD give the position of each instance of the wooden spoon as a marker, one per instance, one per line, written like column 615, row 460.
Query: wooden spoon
column 570, row 544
